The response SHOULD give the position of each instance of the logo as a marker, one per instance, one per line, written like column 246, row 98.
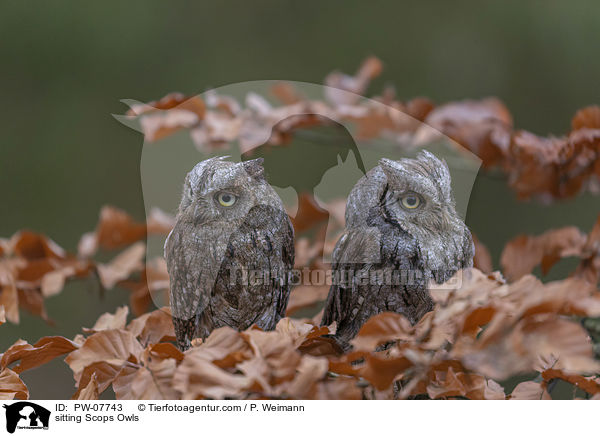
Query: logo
column 26, row 415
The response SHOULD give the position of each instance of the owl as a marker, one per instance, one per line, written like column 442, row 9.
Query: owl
column 230, row 253
column 402, row 230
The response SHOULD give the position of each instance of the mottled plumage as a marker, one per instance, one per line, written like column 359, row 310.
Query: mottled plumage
column 402, row 230
column 230, row 253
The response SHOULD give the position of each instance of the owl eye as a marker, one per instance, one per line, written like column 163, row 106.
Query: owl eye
column 410, row 201
column 226, row 199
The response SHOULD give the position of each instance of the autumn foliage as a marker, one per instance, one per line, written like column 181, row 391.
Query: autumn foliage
column 494, row 326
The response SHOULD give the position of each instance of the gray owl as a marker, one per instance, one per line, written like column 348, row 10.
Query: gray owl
column 230, row 253
column 402, row 230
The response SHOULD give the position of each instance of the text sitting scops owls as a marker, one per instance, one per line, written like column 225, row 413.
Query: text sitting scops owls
column 402, row 230
column 230, row 253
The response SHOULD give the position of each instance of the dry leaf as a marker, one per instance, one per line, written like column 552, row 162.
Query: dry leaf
column 524, row 253
column 90, row 391
column 32, row 356
column 530, row 390
column 586, row 118
column 11, row 386
column 108, row 321
column 153, row 327
column 198, row 378
column 122, row 266
column 591, row 385
column 115, row 347
column 482, row 259
column 382, row 328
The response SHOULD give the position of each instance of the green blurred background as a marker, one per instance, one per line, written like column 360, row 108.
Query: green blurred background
column 65, row 66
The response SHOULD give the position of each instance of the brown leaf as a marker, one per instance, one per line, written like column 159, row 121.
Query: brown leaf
column 32, row 356
column 586, row 118
column 309, row 372
column 198, row 378
column 482, row 259
column 153, row 286
column 321, row 346
column 449, row 379
column 122, row 266
column 10, row 302
column 124, row 374
column 482, row 126
column 90, row 391
column 356, row 84
column 32, row 246
column 382, row 328
column 275, row 359
column 522, row 254
column 297, row 331
column 571, row 296
column 108, row 321
column 285, row 93
column 589, row 268
column 53, row 282
column 530, row 390
column 536, row 164
column 224, row 347
column 115, row 347
column 521, row 347
column 382, row 372
column 376, row 368
column 33, row 301
column 11, row 386
column 168, row 115
column 117, row 229
column 446, row 384
column 153, row 327
column 166, row 350
column 591, row 385
column 337, row 389
column 34, row 267
column 104, row 373
column 152, row 382
column 170, row 101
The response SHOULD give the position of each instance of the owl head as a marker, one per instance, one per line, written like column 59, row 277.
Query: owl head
column 419, row 195
column 220, row 190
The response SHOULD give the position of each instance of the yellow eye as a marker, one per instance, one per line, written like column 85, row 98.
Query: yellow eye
column 411, row 201
column 226, row 199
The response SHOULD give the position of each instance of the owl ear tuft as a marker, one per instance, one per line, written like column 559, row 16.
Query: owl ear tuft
column 254, row 167
column 392, row 170
column 438, row 168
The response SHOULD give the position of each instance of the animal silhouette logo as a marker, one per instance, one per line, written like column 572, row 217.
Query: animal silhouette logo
column 26, row 415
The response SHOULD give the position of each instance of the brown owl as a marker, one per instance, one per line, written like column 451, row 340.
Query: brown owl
column 402, row 230
column 230, row 253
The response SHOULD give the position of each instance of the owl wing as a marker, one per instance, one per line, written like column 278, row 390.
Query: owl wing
column 357, row 248
column 262, row 244
column 287, row 257
column 468, row 250
column 192, row 273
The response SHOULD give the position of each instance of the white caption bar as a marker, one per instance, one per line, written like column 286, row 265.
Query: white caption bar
column 284, row 418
